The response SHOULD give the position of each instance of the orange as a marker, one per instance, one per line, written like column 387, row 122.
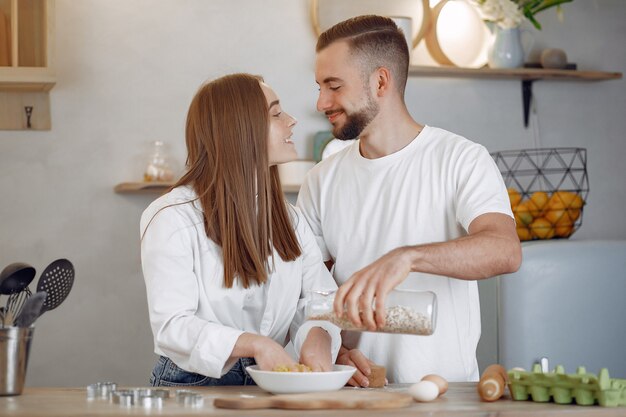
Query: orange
column 514, row 196
column 523, row 216
column 565, row 199
column 554, row 216
column 523, row 233
column 537, row 202
column 562, row 220
column 574, row 214
column 542, row 228
column 564, row 230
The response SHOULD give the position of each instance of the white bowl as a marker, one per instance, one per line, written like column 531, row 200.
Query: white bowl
column 301, row 382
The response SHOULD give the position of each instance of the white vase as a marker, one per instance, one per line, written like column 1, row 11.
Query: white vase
column 507, row 50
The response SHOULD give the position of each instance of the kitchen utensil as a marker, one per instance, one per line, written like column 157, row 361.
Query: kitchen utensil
column 14, row 349
column 57, row 280
column 31, row 310
column 14, row 305
column 15, row 277
column 320, row 400
column 300, row 382
column 101, row 390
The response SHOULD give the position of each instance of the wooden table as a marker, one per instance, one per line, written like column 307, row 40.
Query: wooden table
column 460, row 400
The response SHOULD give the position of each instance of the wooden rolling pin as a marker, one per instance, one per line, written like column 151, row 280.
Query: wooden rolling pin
column 493, row 383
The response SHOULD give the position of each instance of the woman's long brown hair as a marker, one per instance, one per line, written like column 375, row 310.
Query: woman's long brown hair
column 227, row 166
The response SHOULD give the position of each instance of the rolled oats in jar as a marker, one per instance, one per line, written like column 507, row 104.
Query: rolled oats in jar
column 407, row 312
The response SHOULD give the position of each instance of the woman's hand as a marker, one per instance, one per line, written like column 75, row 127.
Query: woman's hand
column 316, row 350
column 267, row 353
column 354, row 357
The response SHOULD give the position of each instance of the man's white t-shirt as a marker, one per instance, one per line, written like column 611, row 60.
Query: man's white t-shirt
column 429, row 191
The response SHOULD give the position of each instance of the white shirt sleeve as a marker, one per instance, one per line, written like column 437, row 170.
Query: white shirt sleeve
column 480, row 188
column 315, row 276
column 193, row 344
column 309, row 205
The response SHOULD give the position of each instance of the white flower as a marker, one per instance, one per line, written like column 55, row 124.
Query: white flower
column 505, row 13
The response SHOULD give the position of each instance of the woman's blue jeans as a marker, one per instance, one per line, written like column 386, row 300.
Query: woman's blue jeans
column 167, row 374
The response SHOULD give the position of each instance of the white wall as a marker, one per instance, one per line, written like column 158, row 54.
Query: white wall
column 126, row 73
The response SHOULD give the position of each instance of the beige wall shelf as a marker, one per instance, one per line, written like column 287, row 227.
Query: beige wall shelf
column 514, row 73
column 163, row 187
column 526, row 75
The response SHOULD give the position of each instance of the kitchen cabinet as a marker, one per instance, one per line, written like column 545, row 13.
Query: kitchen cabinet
column 26, row 63
column 461, row 399
column 527, row 76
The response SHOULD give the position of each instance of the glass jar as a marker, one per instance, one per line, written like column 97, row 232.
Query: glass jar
column 158, row 168
column 407, row 311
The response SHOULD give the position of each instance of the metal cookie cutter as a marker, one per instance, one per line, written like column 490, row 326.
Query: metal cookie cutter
column 100, row 390
column 124, row 398
column 150, row 401
column 149, row 392
column 189, row 398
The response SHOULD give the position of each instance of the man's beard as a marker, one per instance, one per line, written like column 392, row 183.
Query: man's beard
column 357, row 122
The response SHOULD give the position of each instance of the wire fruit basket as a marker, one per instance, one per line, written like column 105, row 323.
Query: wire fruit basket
column 548, row 189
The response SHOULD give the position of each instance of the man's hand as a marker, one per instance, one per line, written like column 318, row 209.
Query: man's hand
column 315, row 352
column 354, row 357
column 372, row 282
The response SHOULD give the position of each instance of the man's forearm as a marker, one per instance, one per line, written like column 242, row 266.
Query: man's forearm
column 478, row 256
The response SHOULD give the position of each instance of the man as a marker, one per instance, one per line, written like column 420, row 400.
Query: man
column 407, row 206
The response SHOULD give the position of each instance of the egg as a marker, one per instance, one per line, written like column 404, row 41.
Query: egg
column 424, row 391
column 442, row 384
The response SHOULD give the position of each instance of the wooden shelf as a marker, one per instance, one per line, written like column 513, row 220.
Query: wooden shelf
column 163, row 187
column 26, row 79
column 526, row 75
column 513, row 73
column 26, row 64
column 155, row 187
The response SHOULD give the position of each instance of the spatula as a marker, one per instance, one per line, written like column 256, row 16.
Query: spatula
column 56, row 280
column 31, row 310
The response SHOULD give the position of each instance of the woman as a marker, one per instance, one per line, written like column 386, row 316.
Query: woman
column 225, row 259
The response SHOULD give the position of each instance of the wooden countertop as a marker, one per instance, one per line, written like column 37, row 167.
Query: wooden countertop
column 460, row 400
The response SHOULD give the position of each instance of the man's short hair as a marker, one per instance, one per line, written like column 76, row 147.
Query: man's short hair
column 376, row 42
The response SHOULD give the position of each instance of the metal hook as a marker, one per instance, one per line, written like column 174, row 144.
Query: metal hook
column 29, row 112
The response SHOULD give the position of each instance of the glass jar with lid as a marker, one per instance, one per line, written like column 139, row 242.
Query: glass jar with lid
column 407, row 311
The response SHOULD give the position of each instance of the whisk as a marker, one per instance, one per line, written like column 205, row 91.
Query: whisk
column 14, row 305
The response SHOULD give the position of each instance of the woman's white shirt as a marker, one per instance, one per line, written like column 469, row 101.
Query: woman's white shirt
column 195, row 320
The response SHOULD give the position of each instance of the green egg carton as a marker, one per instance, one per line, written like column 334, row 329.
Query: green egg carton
column 581, row 388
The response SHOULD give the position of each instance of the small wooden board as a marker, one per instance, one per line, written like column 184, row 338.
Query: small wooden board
column 345, row 399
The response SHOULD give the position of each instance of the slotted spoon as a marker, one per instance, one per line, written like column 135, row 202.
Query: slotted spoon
column 56, row 280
